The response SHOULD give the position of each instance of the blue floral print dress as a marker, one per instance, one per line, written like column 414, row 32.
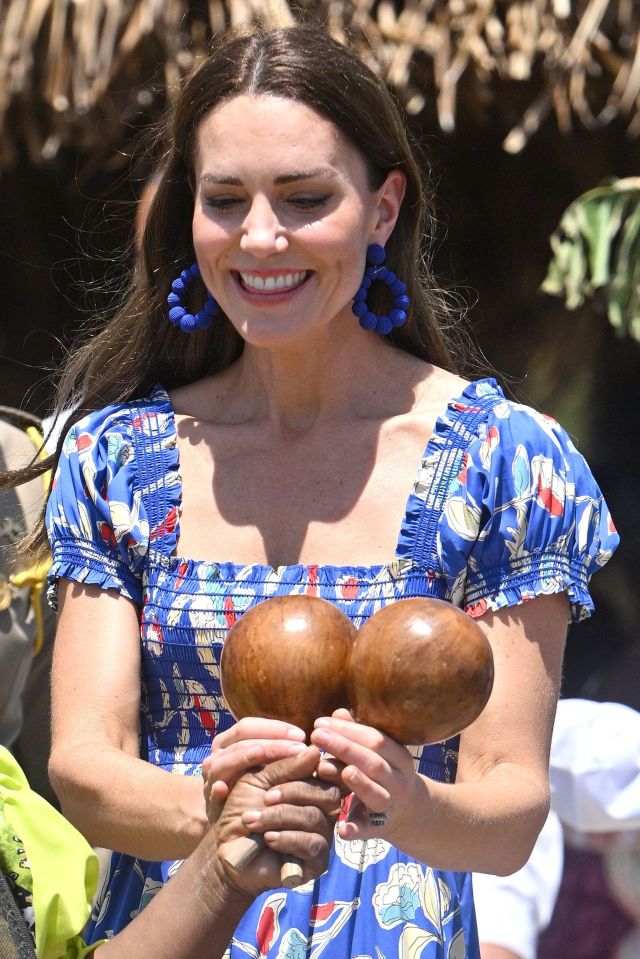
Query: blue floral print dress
column 503, row 509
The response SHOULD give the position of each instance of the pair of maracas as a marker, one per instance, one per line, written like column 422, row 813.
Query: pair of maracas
column 419, row 670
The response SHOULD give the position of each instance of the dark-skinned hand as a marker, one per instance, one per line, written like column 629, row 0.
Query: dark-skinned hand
column 293, row 809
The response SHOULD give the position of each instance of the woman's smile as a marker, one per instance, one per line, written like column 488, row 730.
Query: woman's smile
column 269, row 283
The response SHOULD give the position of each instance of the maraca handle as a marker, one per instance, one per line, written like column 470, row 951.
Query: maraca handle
column 291, row 872
column 243, row 850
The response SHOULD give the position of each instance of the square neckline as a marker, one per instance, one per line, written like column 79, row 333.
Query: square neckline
column 440, row 433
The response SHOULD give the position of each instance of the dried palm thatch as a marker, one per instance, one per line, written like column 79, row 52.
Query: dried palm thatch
column 79, row 72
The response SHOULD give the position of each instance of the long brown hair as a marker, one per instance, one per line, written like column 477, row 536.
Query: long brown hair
column 138, row 347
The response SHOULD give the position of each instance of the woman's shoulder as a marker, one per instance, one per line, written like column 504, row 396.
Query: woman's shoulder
column 139, row 415
column 480, row 413
column 500, row 436
column 434, row 388
column 524, row 515
column 100, row 519
column 512, row 424
column 508, row 421
column 213, row 398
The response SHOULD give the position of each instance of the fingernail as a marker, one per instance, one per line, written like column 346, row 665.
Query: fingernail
column 273, row 795
column 350, row 774
column 251, row 815
column 322, row 721
column 294, row 733
column 296, row 748
column 321, row 737
column 328, row 768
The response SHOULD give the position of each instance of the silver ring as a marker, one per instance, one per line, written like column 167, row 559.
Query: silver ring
column 378, row 818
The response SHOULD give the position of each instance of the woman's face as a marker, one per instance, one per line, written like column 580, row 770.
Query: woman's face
column 282, row 217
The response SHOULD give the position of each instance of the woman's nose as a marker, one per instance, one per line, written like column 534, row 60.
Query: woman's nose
column 262, row 232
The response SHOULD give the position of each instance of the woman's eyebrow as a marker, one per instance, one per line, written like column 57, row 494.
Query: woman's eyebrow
column 305, row 175
column 221, row 180
column 294, row 176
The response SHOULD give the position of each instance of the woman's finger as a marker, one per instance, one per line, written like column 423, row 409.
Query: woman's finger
column 357, row 733
column 342, row 713
column 232, row 762
column 372, row 794
column 215, row 796
column 362, row 746
column 254, row 727
column 359, row 823
column 330, row 769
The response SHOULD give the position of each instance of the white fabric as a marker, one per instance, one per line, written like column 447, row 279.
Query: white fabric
column 595, row 787
column 512, row 910
column 595, row 766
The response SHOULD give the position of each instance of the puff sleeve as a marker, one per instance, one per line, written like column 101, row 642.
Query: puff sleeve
column 524, row 517
column 96, row 521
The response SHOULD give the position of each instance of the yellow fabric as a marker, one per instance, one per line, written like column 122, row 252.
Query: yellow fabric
column 35, row 576
column 64, row 867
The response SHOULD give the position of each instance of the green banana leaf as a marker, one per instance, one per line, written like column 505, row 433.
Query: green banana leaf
column 596, row 253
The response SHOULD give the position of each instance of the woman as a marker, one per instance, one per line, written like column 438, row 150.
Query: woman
column 304, row 381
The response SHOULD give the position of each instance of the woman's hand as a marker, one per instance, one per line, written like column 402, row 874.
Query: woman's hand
column 488, row 820
column 294, row 811
column 376, row 769
column 250, row 743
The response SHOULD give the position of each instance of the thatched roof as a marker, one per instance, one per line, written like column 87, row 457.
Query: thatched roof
column 81, row 72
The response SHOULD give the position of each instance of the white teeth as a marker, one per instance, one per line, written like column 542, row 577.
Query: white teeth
column 283, row 281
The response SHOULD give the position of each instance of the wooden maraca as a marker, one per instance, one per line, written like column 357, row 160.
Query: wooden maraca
column 420, row 670
column 285, row 658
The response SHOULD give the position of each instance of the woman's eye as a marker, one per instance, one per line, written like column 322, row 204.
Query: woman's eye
column 228, row 203
column 222, row 203
column 309, row 202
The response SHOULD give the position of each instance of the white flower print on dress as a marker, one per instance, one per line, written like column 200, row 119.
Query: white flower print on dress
column 359, row 854
column 398, row 900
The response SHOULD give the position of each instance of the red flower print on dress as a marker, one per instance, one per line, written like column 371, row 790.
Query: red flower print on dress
column 167, row 525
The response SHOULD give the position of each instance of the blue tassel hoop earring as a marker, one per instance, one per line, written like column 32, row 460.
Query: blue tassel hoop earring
column 178, row 313
column 378, row 271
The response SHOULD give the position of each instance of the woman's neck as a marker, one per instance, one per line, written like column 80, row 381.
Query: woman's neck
column 295, row 387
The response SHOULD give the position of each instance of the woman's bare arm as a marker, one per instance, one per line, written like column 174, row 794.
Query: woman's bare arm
column 489, row 950
column 116, row 799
